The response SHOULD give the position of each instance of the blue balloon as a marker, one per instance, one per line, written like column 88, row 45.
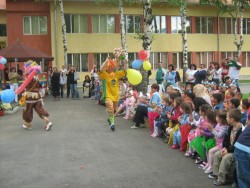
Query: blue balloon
column 136, row 64
column 3, row 61
column 7, row 96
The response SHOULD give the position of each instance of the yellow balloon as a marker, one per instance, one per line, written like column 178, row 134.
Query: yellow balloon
column 134, row 76
column 146, row 65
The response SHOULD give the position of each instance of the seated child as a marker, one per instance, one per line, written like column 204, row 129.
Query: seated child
column 86, row 86
column 128, row 104
column 163, row 110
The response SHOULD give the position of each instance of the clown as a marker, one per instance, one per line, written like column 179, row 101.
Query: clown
column 110, row 84
column 34, row 94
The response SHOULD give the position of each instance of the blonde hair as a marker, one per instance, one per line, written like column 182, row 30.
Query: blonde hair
column 199, row 90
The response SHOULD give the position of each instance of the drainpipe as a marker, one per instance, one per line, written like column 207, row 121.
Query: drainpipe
column 55, row 31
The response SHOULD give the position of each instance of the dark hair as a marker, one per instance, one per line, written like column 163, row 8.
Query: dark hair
column 222, row 115
column 235, row 102
column 194, row 65
column 205, row 107
column 235, row 114
column 216, row 63
column 178, row 101
column 218, row 96
column 246, row 103
column 211, row 116
column 171, row 65
column 198, row 101
column 186, row 108
column 155, row 86
column 190, row 95
column 172, row 96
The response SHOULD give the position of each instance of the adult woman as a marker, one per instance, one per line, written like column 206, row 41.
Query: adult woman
column 73, row 83
column 216, row 72
column 55, row 83
column 190, row 79
column 170, row 75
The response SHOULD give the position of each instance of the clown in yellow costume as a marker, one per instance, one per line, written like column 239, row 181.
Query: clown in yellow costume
column 110, row 87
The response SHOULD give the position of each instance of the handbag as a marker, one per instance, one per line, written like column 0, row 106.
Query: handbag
column 76, row 76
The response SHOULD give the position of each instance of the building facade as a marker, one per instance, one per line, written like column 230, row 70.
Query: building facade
column 93, row 31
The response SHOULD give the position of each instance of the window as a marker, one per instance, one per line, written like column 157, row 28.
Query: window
column 103, row 24
column 133, row 24
column 177, row 59
column 35, row 25
column 204, row 58
column 79, row 61
column 226, row 26
column 159, row 24
column 76, row 23
column 228, row 54
column 246, row 26
column 245, row 59
column 3, row 31
column 100, row 58
column 204, row 25
column 176, row 24
column 156, row 57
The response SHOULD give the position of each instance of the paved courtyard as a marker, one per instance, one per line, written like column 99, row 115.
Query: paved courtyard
column 80, row 151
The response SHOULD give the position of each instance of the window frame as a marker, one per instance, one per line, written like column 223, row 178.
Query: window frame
column 99, row 23
column 39, row 25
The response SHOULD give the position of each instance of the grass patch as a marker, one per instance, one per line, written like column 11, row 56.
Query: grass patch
column 244, row 81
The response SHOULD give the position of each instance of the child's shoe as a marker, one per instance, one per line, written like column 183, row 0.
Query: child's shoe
column 175, row 146
column 48, row 126
column 154, row 135
column 125, row 117
column 182, row 150
column 188, row 154
column 209, row 170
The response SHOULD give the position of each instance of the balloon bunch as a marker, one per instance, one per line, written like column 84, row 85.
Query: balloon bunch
column 3, row 61
column 134, row 76
column 119, row 53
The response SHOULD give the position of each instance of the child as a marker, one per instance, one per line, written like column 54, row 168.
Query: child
column 129, row 104
column 203, row 135
column 219, row 133
column 163, row 110
column 173, row 116
column 95, row 91
column 86, row 86
column 200, row 123
column 183, row 120
column 217, row 101
column 245, row 106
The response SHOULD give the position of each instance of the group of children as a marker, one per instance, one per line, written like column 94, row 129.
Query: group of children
column 91, row 88
column 203, row 121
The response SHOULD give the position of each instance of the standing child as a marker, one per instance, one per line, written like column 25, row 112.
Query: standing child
column 86, row 86
column 219, row 133
column 183, row 120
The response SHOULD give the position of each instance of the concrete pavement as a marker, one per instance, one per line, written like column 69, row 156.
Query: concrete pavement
column 81, row 151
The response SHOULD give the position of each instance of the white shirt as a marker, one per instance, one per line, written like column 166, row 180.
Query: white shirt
column 190, row 74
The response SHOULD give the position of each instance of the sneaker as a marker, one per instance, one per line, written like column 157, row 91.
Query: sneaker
column 198, row 161
column 202, row 165
column 27, row 127
column 175, row 146
column 134, row 127
column 219, row 183
column 208, row 170
column 112, row 127
column 188, row 154
column 48, row 127
column 212, row 176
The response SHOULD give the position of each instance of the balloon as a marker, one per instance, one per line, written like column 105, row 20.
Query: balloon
column 134, row 76
column 7, row 96
column 1, row 67
column 136, row 64
column 147, row 65
column 26, row 82
column 3, row 61
column 143, row 55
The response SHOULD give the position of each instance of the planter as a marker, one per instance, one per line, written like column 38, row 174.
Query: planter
column 1, row 112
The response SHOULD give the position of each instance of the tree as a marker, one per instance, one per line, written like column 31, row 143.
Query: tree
column 122, row 27
column 147, row 41
column 63, row 33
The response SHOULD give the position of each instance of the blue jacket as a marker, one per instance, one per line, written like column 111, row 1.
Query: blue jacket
column 200, row 76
